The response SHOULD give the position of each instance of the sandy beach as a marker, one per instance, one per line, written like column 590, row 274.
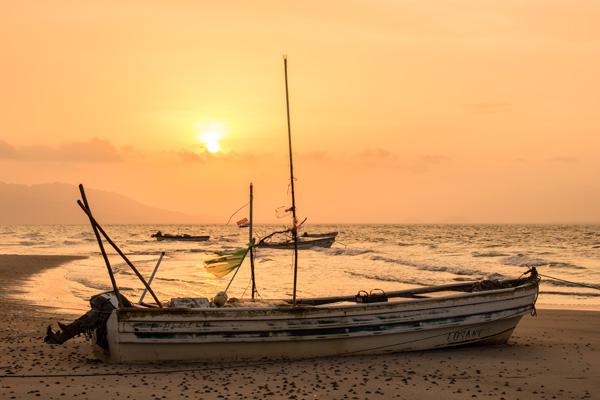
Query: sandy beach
column 554, row 355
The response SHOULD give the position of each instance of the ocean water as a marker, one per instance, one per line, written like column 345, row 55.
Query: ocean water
column 365, row 257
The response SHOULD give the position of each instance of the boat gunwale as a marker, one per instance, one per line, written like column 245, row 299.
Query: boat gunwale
column 291, row 312
column 432, row 315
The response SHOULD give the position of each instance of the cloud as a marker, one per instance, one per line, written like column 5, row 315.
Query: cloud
column 188, row 156
column 377, row 154
column 93, row 151
column 418, row 164
column 562, row 160
column 487, row 107
column 314, row 155
column 100, row 151
column 6, row 150
column 427, row 162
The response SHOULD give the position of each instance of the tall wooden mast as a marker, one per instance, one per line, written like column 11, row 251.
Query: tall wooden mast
column 293, row 208
column 251, row 242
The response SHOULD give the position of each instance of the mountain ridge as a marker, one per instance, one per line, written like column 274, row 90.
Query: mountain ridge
column 55, row 203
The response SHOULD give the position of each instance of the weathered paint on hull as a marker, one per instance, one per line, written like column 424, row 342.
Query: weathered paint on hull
column 491, row 333
column 250, row 334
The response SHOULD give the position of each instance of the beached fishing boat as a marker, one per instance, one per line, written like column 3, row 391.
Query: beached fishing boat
column 199, row 329
column 483, row 312
column 181, row 238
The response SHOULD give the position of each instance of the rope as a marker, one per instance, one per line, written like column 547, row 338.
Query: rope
column 572, row 283
column 236, row 211
column 247, row 286
column 204, row 367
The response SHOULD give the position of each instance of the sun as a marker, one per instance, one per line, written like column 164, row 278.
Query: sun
column 210, row 138
column 213, row 147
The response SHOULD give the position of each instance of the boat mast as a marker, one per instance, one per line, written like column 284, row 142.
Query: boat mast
column 251, row 242
column 293, row 208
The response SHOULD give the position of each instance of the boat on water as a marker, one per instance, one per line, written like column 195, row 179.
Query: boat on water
column 302, row 243
column 319, row 235
column 305, row 242
column 223, row 329
column 182, row 238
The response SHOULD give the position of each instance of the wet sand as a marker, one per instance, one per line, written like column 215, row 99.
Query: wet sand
column 555, row 355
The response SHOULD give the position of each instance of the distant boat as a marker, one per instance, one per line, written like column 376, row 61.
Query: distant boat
column 182, row 238
column 319, row 235
column 302, row 243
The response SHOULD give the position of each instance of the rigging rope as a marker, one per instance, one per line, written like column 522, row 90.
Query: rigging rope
column 236, row 211
column 572, row 283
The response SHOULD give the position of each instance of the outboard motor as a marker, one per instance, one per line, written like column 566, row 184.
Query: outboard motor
column 94, row 320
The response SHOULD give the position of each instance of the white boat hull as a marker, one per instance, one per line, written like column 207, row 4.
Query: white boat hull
column 233, row 334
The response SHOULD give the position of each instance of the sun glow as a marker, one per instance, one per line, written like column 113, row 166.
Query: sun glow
column 210, row 137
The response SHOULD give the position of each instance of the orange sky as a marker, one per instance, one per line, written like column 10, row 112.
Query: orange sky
column 420, row 111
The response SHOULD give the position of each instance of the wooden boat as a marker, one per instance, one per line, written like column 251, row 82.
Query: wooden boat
column 322, row 326
column 182, row 238
column 302, row 243
column 319, row 235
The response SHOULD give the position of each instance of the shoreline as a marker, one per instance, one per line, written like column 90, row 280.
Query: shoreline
column 553, row 355
column 26, row 288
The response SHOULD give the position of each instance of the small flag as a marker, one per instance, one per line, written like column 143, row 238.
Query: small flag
column 243, row 223
column 299, row 224
column 226, row 262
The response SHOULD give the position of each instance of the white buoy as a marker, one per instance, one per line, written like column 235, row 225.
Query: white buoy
column 220, row 299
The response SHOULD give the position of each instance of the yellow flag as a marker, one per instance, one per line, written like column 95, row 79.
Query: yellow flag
column 226, row 263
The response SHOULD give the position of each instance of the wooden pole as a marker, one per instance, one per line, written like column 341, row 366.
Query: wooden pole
column 123, row 256
column 101, row 245
column 162, row 254
column 293, row 208
column 251, row 241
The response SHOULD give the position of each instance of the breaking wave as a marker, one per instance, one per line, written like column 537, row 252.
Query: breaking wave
column 489, row 254
column 94, row 285
column 428, row 267
column 344, row 251
column 522, row 260
column 387, row 278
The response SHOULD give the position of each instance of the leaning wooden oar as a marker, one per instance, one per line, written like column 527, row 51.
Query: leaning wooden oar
column 123, row 256
column 102, row 250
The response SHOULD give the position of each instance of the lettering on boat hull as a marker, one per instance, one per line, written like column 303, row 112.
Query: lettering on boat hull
column 466, row 335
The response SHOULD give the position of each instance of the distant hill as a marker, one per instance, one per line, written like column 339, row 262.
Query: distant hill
column 55, row 203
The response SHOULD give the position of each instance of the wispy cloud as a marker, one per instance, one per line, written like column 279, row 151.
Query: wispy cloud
column 427, row 162
column 6, row 150
column 377, row 154
column 563, row 160
column 488, row 107
column 93, row 151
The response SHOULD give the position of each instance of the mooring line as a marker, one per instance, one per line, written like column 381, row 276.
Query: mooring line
column 202, row 367
column 570, row 282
